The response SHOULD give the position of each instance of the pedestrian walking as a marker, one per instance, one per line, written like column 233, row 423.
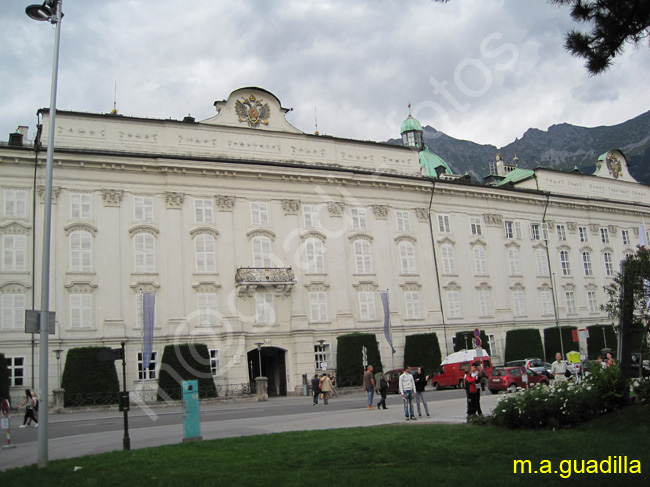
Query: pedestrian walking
column 382, row 388
column 369, row 386
column 472, row 384
column 30, row 410
column 334, row 393
column 315, row 388
column 420, row 384
column 325, row 387
column 407, row 390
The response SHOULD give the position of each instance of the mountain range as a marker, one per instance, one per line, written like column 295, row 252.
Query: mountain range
column 563, row 147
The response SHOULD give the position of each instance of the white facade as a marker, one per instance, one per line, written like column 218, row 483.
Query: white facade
column 251, row 232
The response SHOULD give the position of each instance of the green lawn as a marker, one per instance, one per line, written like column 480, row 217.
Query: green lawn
column 401, row 454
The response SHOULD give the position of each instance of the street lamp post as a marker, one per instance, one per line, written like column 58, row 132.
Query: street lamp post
column 50, row 11
column 259, row 355
column 58, row 366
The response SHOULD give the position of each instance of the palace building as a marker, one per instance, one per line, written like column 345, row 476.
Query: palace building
column 267, row 243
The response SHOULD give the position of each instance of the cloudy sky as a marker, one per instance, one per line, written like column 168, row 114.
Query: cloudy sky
column 480, row 70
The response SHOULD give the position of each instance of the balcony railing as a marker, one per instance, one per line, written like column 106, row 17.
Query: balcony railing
column 281, row 279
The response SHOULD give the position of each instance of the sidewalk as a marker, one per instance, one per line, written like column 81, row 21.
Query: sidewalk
column 321, row 417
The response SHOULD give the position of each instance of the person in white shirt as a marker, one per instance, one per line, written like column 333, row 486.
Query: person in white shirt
column 558, row 368
column 407, row 390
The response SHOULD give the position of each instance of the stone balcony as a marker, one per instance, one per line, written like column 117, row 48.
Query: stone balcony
column 281, row 279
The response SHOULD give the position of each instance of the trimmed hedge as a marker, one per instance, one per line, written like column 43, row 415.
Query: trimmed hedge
column 188, row 361
column 464, row 341
column 349, row 360
column 84, row 375
column 524, row 343
column 4, row 379
column 423, row 350
column 596, row 341
column 552, row 342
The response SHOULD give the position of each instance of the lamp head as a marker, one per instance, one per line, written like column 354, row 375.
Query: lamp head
column 42, row 12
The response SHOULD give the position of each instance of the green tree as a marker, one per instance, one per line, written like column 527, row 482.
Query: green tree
column 87, row 379
column 349, row 361
column 422, row 350
column 553, row 344
column 628, row 301
column 613, row 24
column 465, row 341
column 4, row 378
column 181, row 362
column 524, row 343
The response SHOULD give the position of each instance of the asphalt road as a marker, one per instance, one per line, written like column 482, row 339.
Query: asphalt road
column 89, row 432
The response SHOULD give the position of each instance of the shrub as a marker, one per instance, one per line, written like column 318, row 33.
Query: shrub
column 563, row 404
column 422, row 350
column 4, row 379
column 87, row 379
column 180, row 362
column 596, row 341
column 349, row 361
column 524, row 343
column 552, row 341
column 641, row 390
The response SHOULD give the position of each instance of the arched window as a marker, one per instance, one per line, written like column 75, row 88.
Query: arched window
column 315, row 256
column 261, row 252
column 564, row 261
column 407, row 257
column 81, row 246
column 586, row 263
column 205, row 255
column 145, row 252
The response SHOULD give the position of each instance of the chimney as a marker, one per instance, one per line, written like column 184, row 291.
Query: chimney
column 18, row 137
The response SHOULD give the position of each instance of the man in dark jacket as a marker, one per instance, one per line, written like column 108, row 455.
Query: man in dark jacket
column 382, row 388
column 420, row 384
column 315, row 388
column 472, row 384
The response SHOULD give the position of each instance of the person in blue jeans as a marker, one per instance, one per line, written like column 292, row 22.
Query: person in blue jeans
column 369, row 386
column 407, row 390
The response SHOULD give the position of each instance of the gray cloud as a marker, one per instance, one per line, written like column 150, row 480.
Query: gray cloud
column 483, row 71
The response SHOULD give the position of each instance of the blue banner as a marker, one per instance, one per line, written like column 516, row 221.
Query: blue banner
column 148, row 316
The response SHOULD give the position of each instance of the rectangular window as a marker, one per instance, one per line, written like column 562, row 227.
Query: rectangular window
column 203, row 212
column 604, row 235
column 259, row 213
column 514, row 261
column 412, row 302
column 315, row 256
column 322, row 357
column 262, row 252
column 584, row 235
column 207, row 307
column 535, row 231
column 475, row 225
column 541, row 259
column 144, row 253
column 443, row 224
column 512, row 229
column 625, row 235
column 311, row 214
column 363, row 260
column 492, row 340
column 15, row 203
column 16, row 369
column 403, row 221
column 453, row 303
column 367, row 307
column 561, row 232
column 143, row 208
column 448, row 261
column 81, row 252
column 609, row 264
column 591, row 299
column 205, row 259
column 318, row 307
column 519, row 303
column 546, row 299
column 80, row 205
column 264, row 310
column 14, row 250
column 570, row 302
column 150, row 372
column 358, row 218
column 13, row 311
column 485, row 304
column 480, row 261
column 81, row 311
column 215, row 363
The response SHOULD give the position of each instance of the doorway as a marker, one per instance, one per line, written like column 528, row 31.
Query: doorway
column 273, row 367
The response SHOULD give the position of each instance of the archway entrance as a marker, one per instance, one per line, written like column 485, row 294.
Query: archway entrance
column 273, row 368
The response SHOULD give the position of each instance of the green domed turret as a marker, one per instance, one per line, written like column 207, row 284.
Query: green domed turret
column 412, row 134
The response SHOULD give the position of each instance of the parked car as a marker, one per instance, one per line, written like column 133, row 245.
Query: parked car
column 535, row 364
column 636, row 358
column 392, row 377
column 510, row 378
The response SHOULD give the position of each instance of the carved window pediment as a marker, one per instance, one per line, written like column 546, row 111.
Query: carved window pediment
column 150, row 229
column 80, row 227
column 204, row 231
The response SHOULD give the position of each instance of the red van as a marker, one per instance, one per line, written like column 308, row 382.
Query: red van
column 453, row 368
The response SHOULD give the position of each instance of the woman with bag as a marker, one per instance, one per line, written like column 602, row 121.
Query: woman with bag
column 30, row 403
